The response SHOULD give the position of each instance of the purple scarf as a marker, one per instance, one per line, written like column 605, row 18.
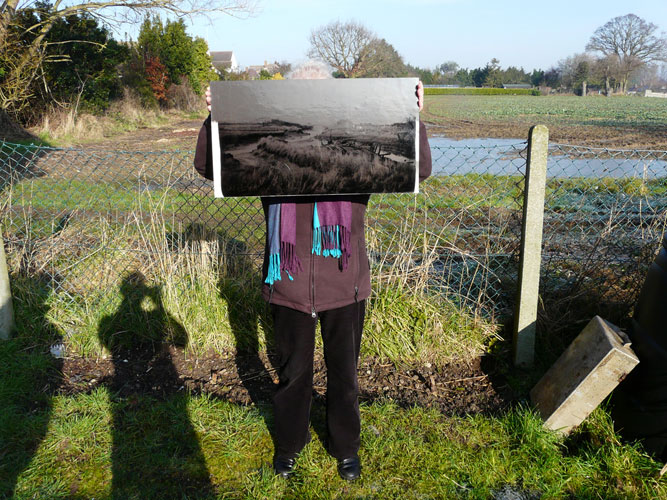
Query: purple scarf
column 331, row 236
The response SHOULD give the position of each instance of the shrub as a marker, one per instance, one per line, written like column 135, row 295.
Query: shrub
column 181, row 96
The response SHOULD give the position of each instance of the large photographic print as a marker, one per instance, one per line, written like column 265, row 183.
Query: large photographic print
column 306, row 137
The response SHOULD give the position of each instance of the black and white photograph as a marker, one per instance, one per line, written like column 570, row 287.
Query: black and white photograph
column 315, row 137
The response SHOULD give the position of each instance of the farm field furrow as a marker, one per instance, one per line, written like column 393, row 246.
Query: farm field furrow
column 615, row 122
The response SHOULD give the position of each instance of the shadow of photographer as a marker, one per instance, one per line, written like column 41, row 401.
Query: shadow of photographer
column 155, row 450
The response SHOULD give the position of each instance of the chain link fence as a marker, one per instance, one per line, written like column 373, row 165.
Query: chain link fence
column 604, row 218
column 83, row 219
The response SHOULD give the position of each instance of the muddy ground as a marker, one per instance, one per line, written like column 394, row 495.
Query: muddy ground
column 617, row 137
column 181, row 134
column 458, row 387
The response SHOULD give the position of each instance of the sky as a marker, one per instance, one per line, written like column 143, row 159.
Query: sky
column 521, row 33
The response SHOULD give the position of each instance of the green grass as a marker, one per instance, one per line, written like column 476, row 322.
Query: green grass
column 218, row 308
column 98, row 445
column 92, row 445
column 123, row 196
column 551, row 110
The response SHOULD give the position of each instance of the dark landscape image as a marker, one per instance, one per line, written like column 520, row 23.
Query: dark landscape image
column 304, row 137
column 280, row 158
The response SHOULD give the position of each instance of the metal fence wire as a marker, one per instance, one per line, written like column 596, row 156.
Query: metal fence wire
column 84, row 219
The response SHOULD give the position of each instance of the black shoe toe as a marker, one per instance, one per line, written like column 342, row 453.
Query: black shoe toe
column 283, row 466
column 349, row 468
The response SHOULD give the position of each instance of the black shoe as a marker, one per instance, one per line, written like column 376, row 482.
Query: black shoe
column 283, row 466
column 349, row 468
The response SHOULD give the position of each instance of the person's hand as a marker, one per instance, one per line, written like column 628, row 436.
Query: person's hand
column 208, row 97
column 420, row 95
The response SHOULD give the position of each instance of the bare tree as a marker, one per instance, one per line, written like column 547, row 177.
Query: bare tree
column 663, row 74
column 648, row 76
column 343, row 46
column 632, row 40
column 23, row 48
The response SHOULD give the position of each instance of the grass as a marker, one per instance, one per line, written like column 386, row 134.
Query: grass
column 91, row 445
column 202, row 288
column 64, row 127
column 72, row 283
column 551, row 110
column 96, row 445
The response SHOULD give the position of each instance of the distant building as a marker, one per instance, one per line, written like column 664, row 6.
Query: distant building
column 254, row 71
column 224, row 61
column 517, row 86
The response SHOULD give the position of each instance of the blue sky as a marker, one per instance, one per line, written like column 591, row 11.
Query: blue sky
column 531, row 34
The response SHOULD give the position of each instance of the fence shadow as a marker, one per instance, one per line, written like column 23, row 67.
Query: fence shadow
column 29, row 377
column 155, row 450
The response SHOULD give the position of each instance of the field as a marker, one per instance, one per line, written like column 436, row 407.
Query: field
column 618, row 122
column 176, row 404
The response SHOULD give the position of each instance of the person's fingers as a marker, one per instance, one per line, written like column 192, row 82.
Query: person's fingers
column 420, row 95
column 208, row 98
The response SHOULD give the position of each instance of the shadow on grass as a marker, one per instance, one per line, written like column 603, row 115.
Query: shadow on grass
column 29, row 377
column 155, row 450
column 239, row 286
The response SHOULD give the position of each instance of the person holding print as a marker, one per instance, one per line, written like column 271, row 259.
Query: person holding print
column 316, row 269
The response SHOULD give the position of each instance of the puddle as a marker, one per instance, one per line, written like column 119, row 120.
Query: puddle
column 480, row 156
column 507, row 157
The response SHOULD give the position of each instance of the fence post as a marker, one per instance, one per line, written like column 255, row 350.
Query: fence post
column 525, row 316
column 6, row 308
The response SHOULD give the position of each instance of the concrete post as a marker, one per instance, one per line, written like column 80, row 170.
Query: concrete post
column 525, row 316
column 6, row 308
column 586, row 373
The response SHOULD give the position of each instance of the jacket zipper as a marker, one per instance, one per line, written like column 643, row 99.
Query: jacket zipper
column 313, row 313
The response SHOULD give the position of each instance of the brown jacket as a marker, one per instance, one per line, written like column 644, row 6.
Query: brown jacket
column 321, row 285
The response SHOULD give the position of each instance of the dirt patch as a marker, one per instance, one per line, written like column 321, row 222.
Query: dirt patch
column 455, row 388
column 180, row 135
column 176, row 135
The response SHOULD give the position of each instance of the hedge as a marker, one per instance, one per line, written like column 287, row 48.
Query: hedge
column 479, row 91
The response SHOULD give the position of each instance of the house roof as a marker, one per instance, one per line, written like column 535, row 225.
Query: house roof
column 255, row 70
column 224, row 56
column 224, row 60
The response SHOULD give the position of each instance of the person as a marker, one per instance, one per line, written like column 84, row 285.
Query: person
column 331, row 287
